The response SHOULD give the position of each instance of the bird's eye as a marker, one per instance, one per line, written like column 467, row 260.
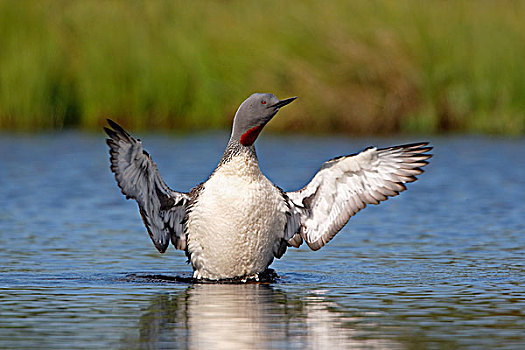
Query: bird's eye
column 263, row 102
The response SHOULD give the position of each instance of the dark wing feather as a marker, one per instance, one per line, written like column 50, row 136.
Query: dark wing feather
column 162, row 209
column 345, row 185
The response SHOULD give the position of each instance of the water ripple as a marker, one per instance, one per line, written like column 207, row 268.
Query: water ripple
column 440, row 266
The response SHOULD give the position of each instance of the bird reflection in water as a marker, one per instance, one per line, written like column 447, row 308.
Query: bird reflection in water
column 248, row 316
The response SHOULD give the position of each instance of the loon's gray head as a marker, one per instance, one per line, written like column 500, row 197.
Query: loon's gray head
column 253, row 114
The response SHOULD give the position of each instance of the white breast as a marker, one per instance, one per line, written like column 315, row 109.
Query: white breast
column 238, row 217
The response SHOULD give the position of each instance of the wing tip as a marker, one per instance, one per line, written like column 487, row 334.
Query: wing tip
column 113, row 124
column 420, row 147
column 117, row 132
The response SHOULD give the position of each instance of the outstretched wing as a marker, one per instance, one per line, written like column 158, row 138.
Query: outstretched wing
column 345, row 185
column 162, row 209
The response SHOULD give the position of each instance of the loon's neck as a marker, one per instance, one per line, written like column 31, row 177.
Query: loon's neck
column 234, row 149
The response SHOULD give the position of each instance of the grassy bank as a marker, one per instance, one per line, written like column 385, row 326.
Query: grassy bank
column 358, row 67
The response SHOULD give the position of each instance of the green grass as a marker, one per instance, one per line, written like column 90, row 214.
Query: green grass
column 358, row 67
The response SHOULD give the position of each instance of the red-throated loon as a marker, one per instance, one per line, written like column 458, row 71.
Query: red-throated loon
column 234, row 224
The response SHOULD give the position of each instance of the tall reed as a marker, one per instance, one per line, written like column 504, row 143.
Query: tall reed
column 358, row 67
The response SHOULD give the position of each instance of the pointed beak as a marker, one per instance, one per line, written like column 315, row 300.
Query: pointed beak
column 283, row 103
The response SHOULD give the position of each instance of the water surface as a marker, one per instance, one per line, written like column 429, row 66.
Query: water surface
column 441, row 266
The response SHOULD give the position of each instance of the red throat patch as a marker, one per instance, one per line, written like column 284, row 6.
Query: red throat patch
column 249, row 137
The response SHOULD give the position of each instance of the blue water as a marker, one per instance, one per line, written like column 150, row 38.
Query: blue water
column 440, row 266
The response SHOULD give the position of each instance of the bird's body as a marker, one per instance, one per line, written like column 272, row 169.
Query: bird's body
column 234, row 224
